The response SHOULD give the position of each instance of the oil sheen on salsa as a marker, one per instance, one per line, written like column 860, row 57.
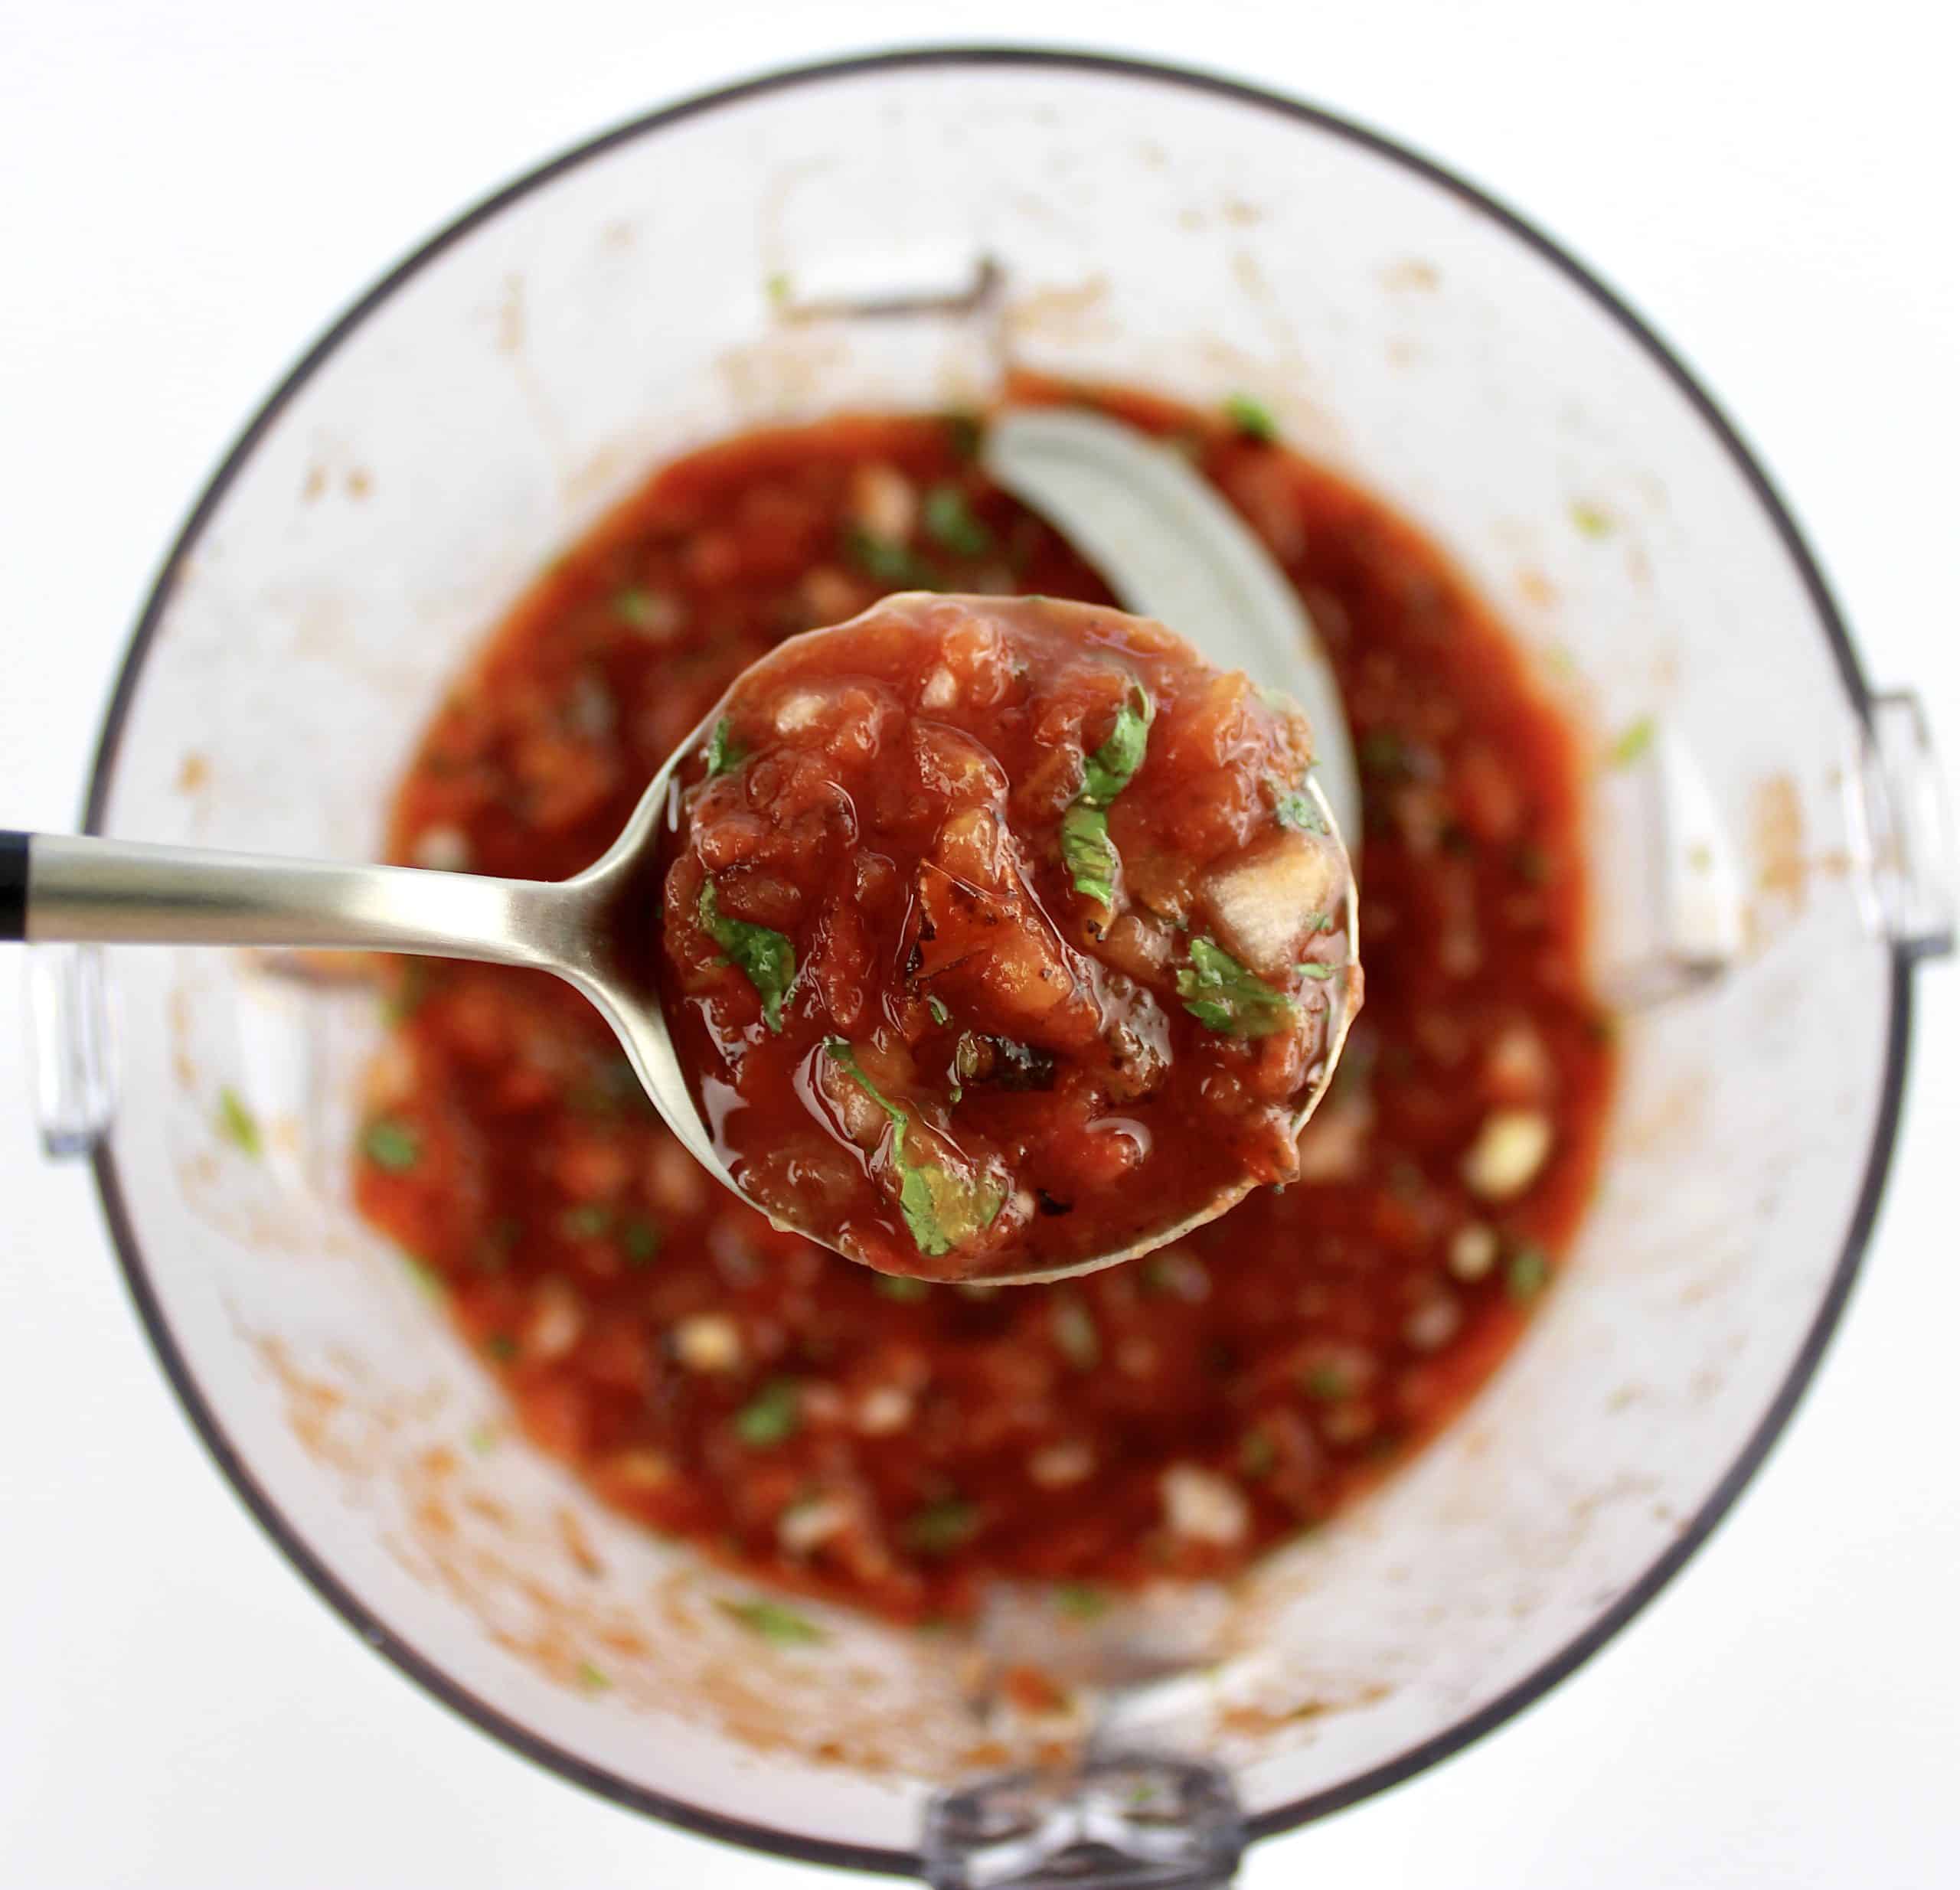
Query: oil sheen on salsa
column 896, row 1443
column 1001, row 934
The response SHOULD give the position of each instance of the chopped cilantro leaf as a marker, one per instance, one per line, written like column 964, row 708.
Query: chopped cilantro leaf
column 965, row 433
column 1106, row 772
column 1594, row 521
column 1527, row 1271
column 1321, row 973
column 1089, row 853
column 237, row 1124
column 1631, row 743
column 888, row 561
column 766, row 958
column 1295, row 808
column 501, row 1347
column 591, row 1679
column 899, row 1287
column 641, row 1239
column 941, row 1527
column 1257, row 1455
column 428, row 1282
column 724, row 752
column 942, row 1207
column 949, row 520
column 1081, row 1600
column 774, row 1415
column 1251, row 418
column 774, row 1622
column 1327, row 1383
column 587, row 1221
column 938, row 1011
column 392, row 1145
column 645, row 610
column 1223, row 996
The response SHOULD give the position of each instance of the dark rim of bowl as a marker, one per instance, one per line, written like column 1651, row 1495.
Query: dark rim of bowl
column 375, row 1632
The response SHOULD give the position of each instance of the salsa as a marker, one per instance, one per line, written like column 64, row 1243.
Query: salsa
column 894, row 1443
column 1001, row 933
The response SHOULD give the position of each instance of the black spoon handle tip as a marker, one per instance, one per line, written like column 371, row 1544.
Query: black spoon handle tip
column 13, row 886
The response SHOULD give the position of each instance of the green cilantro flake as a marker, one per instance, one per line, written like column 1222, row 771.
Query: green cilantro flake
column 1089, row 853
column 1257, row 1455
column 1251, row 418
column 724, row 752
column 482, row 1438
column 772, row 1417
column 391, row 1144
column 888, row 561
column 591, row 1679
column 587, row 1221
column 1225, row 997
column 1594, row 521
column 1320, row 973
column 938, row 1012
column 1106, row 772
column 942, row 1207
column 237, row 1124
column 1526, row 1272
column 1296, row 809
column 1631, row 743
column 1081, row 1601
column 777, row 286
column 949, row 520
column 965, row 433
column 1383, row 752
column 641, row 1239
column 774, row 1622
column 411, row 988
column 766, row 958
column 941, row 1527
column 644, row 610
column 897, row 1286
column 428, row 1282
column 1327, row 1383
column 501, row 1346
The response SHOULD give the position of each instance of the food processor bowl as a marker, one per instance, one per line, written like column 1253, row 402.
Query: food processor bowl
column 898, row 232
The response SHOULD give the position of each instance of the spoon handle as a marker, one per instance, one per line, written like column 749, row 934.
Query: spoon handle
column 54, row 887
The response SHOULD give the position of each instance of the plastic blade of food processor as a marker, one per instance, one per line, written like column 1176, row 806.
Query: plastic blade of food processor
column 1170, row 548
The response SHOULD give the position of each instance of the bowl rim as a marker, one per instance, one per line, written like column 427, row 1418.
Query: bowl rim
column 608, row 1785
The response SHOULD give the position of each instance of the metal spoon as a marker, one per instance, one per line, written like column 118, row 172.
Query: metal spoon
column 59, row 888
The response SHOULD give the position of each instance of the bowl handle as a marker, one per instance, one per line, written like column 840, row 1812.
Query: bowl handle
column 1113, row 1820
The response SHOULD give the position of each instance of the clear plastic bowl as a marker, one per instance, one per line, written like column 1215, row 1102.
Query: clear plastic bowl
column 886, row 232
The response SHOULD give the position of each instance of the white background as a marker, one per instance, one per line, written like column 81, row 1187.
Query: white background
column 188, row 188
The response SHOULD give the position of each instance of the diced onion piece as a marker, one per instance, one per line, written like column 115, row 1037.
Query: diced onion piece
column 708, row 1342
column 443, row 849
column 884, row 1410
column 1510, row 1150
column 1267, row 902
column 1473, row 1251
column 1201, row 1506
column 1060, row 1465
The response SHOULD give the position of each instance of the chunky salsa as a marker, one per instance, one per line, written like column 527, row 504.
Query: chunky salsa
column 895, row 1444
column 1001, row 935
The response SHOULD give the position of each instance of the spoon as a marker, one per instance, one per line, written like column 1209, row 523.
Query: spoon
column 58, row 888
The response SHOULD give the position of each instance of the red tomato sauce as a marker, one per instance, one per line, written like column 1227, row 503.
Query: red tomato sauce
column 1000, row 934
column 895, row 1444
